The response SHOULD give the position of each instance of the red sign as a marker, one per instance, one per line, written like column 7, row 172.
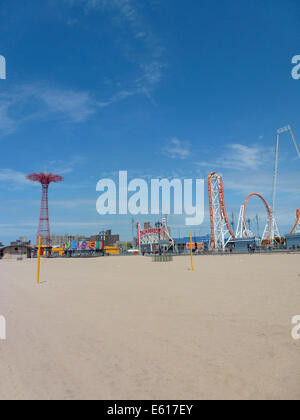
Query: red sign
column 150, row 230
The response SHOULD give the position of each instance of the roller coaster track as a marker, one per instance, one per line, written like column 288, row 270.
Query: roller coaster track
column 221, row 232
column 268, row 211
column 217, row 209
column 297, row 222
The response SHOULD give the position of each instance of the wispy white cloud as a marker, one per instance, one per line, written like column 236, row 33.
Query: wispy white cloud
column 176, row 149
column 7, row 124
column 12, row 176
column 143, row 85
column 149, row 62
column 78, row 106
column 74, row 105
column 32, row 102
column 240, row 157
column 66, row 166
column 119, row 96
column 126, row 9
column 261, row 182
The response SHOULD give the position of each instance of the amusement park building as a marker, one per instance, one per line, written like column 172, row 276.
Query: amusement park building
column 60, row 239
column 293, row 241
column 109, row 239
column 17, row 249
column 243, row 244
column 203, row 240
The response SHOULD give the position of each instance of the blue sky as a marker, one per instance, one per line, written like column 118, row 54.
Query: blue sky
column 160, row 88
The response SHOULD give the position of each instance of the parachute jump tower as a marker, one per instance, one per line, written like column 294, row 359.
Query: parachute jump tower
column 44, row 227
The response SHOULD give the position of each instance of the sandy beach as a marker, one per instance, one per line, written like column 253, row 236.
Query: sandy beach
column 128, row 328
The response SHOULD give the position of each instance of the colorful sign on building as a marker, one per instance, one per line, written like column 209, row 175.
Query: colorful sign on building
column 82, row 245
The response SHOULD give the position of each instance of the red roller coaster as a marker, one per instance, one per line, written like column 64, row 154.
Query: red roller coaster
column 268, row 212
column 221, row 232
column 297, row 222
column 220, row 228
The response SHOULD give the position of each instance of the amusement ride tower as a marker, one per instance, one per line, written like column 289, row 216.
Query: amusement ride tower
column 44, row 226
column 272, row 225
column 221, row 232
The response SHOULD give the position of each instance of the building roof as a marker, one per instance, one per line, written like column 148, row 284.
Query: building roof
column 197, row 239
column 15, row 246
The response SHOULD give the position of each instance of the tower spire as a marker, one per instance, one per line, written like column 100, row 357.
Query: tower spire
column 44, row 226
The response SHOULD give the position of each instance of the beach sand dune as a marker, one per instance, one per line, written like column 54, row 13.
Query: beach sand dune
column 128, row 328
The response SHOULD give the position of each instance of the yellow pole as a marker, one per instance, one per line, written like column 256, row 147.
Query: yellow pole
column 191, row 247
column 39, row 261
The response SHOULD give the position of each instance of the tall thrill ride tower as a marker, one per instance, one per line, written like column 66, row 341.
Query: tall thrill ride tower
column 44, row 226
column 274, row 231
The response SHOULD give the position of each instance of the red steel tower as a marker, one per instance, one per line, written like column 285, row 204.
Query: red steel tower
column 44, row 226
